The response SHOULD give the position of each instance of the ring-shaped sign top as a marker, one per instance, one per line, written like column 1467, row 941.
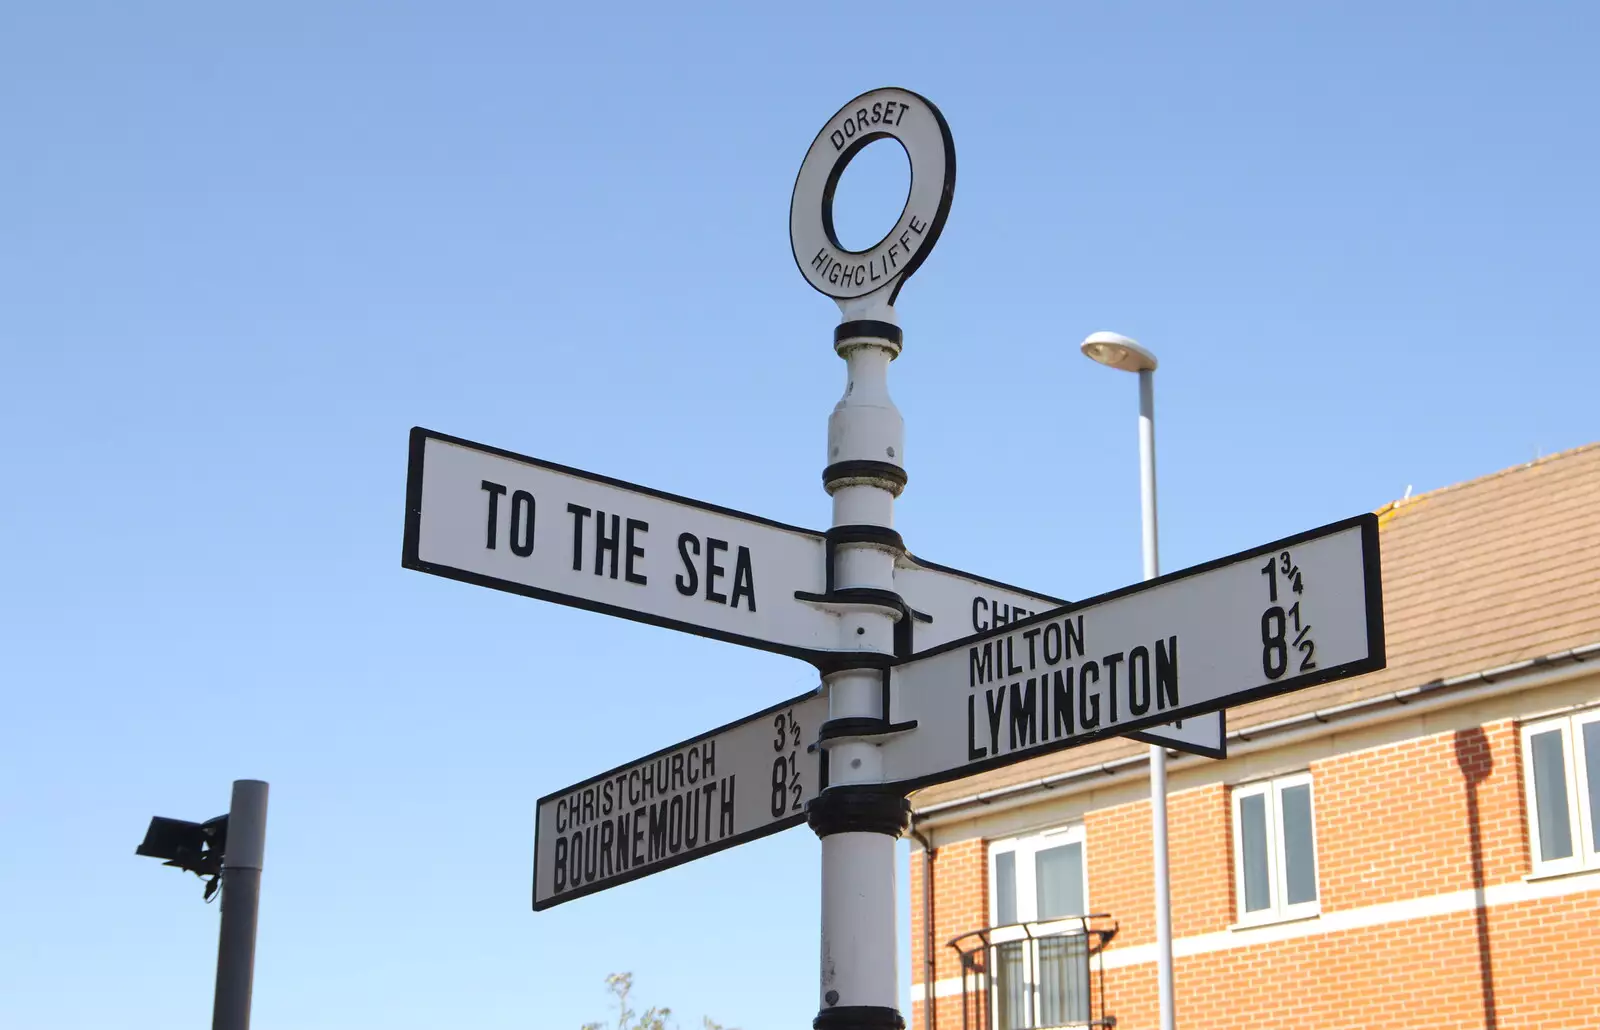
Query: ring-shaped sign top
column 916, row 125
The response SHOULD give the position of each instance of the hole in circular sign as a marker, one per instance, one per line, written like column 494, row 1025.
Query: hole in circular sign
column 869, row 194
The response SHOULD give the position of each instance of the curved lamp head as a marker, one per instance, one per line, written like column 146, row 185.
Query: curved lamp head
column 1117, row 351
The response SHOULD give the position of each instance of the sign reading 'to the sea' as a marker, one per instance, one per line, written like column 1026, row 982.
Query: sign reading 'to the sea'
column 916, row 125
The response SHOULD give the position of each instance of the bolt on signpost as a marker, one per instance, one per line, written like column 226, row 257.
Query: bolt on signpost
column 927, row 673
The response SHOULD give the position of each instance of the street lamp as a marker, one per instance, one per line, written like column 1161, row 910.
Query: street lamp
column 1117, row 351
column 193, row 847
column 229, row 849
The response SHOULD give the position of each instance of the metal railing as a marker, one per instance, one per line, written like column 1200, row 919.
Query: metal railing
column 1036, row 975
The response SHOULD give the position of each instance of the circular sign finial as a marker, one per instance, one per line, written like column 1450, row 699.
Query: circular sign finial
column 848, row 275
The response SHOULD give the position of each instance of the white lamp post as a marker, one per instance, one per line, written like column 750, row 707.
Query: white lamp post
column 1116, row 351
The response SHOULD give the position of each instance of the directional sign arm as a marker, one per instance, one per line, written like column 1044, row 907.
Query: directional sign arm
column 1292, row 614
column 511, row 522
column 948, row 604
column 745, row 780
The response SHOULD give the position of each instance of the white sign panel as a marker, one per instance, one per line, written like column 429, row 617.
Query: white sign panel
column 722, row 788
column 502, row 520
column 1204, row 734
column 1289, row 615
column 948, row 604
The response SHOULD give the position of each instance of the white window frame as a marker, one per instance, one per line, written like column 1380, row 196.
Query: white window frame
column 1584, row 854
column 1277, row 910
column 1025, row 849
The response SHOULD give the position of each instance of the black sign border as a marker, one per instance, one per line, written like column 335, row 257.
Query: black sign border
column 413, row 534
column 775, row 826
column 1147, row 738
column 1376, row 659
column 410, row 559
column 922, row 562
column 1221, row 751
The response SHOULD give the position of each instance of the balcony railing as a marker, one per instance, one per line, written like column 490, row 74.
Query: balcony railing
column 1035, row 976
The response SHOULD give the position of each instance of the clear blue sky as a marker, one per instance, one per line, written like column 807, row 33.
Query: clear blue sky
column 242, row 253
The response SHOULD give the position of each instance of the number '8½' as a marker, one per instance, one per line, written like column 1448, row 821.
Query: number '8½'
column 786, row 787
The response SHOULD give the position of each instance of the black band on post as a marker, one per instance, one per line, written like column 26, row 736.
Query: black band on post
column 859, row 809
column 868, row 595
column 851, row 726
column 859, row 1017
column 858, row 595
column 861, row 726
column 858, row 469
column 827, row 662
column 869, row 329
column 881, row 536
column 877, row 536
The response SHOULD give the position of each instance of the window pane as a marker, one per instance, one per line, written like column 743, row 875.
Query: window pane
column 1063, row 979
column 1550, row 795
column 1253, row 845
column 1011, row 986
column 1591, row 761
column 1299, row 854
column 1005, row 888
column 1059, row 879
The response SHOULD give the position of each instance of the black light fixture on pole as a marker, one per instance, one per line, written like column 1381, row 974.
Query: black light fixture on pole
column 226, row 851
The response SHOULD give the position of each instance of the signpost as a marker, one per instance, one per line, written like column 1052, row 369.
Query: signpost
column 507, row 521
column 928, row 673
column 746, row 780
column 754, row 776
column 1278, row 618
column 947, row 604
column 490, row 517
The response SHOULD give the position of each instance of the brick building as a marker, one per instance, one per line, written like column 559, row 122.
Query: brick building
column 1417, row 847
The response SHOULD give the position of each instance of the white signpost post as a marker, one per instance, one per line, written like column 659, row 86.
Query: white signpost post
column 928, row 673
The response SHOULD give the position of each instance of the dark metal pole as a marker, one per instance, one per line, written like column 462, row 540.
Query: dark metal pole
column 241, row 896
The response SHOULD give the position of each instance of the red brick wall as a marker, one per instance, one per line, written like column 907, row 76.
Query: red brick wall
column 1540, row 961
column 949, row 1013
column 1395, row 822
column 1392, row 823
column 1200, row 828
column 1117, row 856
column 1122, row 877
column 960, row 904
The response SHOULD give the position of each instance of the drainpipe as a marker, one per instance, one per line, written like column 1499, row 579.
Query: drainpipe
column 930, row 1014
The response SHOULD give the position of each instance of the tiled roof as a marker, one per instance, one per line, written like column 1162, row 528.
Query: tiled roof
column 1475, row 576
